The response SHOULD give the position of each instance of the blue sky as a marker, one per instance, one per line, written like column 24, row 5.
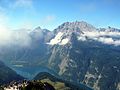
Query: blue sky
column 15, row 14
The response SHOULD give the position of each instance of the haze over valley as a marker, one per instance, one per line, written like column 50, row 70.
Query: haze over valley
column 59, row 45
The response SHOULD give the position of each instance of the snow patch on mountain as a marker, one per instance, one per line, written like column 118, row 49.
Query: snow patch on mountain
column 100, row 36
column 64, row 41
column 58, row 40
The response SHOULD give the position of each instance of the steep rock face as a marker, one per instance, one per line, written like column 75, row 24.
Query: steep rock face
column 97, row 67
column 77, row 51
column 89, row 61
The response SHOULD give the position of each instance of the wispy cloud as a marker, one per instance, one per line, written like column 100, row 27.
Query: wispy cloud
column 49, row 18
column 9, row 37
column 26, row 6
column 14, row 4
column 23, row 3
column 105, row 37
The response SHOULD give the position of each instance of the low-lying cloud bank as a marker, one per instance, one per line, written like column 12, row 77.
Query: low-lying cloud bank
column 22, row 38
column 18, row 38
column 106, row 37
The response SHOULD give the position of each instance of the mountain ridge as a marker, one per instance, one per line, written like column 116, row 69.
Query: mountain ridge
column 83, row 54
column 71, row 85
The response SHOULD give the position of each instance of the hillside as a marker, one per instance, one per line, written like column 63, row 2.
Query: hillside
column 76, row 51
column 58, row 83
column 7, row 75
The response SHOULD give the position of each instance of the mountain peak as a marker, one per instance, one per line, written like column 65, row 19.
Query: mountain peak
column 63, row 34
column 76, row 23
column 75, row 26
column 39, row 29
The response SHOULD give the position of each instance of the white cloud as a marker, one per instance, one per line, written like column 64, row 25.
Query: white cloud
column 117, row 42
column 109, row 41
column 101, row 37
column 101, row 33
column 91, row 34
column 82, row 38
column 9, row 37
column 23, row 3
column 106, row 40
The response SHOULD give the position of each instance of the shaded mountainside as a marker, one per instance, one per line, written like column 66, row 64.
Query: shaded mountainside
column 7, row 75
column 58, row 83
column 86, row 60
column 44, row 81
column 77, row 51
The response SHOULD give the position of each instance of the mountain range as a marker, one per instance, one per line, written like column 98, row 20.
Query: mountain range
column 76, row 51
